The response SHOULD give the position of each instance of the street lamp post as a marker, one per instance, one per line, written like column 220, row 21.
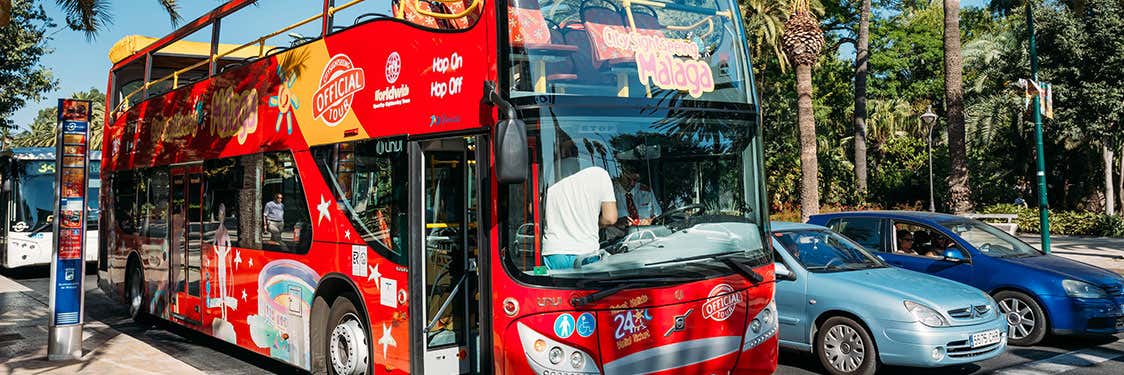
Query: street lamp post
column 930, row 119
column 1043, row 203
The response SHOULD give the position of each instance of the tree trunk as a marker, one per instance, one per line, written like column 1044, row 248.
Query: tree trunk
column 809, row 165
column 862, row 55
column 1120, row 194
column 959, row 191
column 1109, row 187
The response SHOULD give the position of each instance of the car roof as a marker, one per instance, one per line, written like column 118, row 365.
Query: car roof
column 785, row 226
column 915, row 215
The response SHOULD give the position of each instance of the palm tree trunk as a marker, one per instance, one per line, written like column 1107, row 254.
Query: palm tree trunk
column 5, row 12
column 809, row 166
column 862, row 54
column 959, row 191
column 1109, row 187
column 1120, row 196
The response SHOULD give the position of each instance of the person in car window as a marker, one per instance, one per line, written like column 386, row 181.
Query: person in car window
column 905, row 242
column 922, row 242
column 576, row 207
column 940, row 244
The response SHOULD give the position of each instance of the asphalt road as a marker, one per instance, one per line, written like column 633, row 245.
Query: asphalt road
column 205, row 353
column 1057, row 355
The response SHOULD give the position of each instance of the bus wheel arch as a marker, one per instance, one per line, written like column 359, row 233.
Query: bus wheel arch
column 332, row 287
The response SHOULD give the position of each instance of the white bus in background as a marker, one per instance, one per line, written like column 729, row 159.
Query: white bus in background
column 27, row 195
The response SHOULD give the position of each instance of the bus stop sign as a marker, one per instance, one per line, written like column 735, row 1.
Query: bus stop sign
column 68, row 257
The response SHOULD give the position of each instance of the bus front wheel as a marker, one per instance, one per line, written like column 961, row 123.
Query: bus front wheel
column 348, row 345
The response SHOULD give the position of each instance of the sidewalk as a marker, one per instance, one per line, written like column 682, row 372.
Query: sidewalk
column 1102, row 252
column 23, row 342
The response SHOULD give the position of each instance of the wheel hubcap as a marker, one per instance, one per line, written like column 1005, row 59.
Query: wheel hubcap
column 134, row 294
column 1020, row 318
column 844, row 348
column 348, row 347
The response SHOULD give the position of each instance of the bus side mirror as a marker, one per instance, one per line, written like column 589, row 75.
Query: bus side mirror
column 511, row 151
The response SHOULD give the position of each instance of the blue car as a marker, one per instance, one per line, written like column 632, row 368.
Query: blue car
column 1038, row 293
column 855, row 312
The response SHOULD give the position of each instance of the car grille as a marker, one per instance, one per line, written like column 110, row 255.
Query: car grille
column 960, row 349
column 1113, row 289
column 966, row 312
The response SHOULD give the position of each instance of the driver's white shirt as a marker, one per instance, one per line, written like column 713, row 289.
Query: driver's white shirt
column 573, row 210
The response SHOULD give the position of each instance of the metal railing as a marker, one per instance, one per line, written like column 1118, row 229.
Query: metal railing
column 215, row 57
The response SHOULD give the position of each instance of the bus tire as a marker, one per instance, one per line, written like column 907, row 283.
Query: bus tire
column 348, row 345
column 845, row 348
column 134, row 296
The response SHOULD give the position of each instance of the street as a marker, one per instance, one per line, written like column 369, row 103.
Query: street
column 204, row 353
column 1069, row 355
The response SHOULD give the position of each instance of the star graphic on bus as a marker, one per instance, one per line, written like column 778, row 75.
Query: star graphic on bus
column 237, row 259
column 374, row 275
column 285, row 101
column 386, row 340
column 322, row 208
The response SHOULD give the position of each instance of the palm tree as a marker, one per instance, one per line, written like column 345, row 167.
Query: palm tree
column 960, row 198
column 862, row 55
column 43, row 131
column 90, row 16
column 803, row 40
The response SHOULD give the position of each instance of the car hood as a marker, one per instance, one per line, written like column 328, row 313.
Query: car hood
column 1069, row 268
column 938, row 293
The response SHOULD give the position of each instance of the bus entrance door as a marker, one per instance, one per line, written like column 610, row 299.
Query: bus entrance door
column 443, row 264
column 186, row 239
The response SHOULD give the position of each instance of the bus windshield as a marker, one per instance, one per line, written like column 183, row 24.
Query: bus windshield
column 669, row 49
column 36, row 194
column 623, row 196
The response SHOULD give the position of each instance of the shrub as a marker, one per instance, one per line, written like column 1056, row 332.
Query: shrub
column 1072, row 223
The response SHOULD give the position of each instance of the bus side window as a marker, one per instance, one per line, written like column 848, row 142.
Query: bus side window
column 283, row 209
column 223, row 185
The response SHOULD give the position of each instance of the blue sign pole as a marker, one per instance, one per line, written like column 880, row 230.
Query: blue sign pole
column 68, row 265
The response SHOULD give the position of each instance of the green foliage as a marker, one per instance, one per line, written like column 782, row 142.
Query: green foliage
column 22, row 44
column 43, row 130
column 1072, row 223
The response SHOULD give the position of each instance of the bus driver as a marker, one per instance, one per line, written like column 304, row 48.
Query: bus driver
column 576, row 207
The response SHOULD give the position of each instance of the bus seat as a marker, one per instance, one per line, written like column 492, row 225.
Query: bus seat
column 596, row 20
column 528, row 26
column 457, row 7
column 563, row 69
column 575, row 34
column 646, row 18
column 404, row 9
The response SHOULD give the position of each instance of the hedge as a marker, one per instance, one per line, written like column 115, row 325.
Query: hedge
column 1072, row 223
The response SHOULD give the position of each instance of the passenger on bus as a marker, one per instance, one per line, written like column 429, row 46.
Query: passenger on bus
column 576, row 207
column 275, row 218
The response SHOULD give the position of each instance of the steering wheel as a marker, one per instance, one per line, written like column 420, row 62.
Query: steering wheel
column 663, row 218
column 833, row 260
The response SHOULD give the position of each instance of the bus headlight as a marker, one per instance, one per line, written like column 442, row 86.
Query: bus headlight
column 553, row 361
column 761, row 328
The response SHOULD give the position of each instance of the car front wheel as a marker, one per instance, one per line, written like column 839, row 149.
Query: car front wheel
column 845, row 348
column 1025, row 320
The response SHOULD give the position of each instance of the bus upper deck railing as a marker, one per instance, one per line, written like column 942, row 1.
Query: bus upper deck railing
column 215, row 57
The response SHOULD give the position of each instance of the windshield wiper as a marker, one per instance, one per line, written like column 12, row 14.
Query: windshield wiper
column 696, row 257
column 622, row 284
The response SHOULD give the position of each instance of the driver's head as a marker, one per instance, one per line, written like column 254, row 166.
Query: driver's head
column 905, row 240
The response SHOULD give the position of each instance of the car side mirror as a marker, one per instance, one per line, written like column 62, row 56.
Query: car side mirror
column 511, row 151
column 782, row 272
column 955, row 255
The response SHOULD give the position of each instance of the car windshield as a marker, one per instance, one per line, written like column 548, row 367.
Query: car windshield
column 634, row 195
column 36, row 194
column 825, row 251
column 990, row 240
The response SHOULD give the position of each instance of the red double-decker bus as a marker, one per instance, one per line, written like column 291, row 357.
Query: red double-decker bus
column 564, row 187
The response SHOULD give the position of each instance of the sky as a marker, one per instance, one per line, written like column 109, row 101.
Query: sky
column 80, row 64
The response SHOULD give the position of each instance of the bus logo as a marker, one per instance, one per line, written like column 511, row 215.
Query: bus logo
column 393, row 67
column 721, row 302
column 338, row 84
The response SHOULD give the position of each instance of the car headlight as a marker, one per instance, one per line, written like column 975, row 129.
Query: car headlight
column 1080, row 289
column 993, row 305
column 925, row 315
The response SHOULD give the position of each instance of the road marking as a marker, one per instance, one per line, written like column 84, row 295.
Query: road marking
column 1068, row 361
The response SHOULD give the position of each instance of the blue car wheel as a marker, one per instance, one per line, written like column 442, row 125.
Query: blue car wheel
column 844, row 347
column 1025, row 320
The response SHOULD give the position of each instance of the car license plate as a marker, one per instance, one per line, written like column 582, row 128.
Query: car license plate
column 984, row 338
